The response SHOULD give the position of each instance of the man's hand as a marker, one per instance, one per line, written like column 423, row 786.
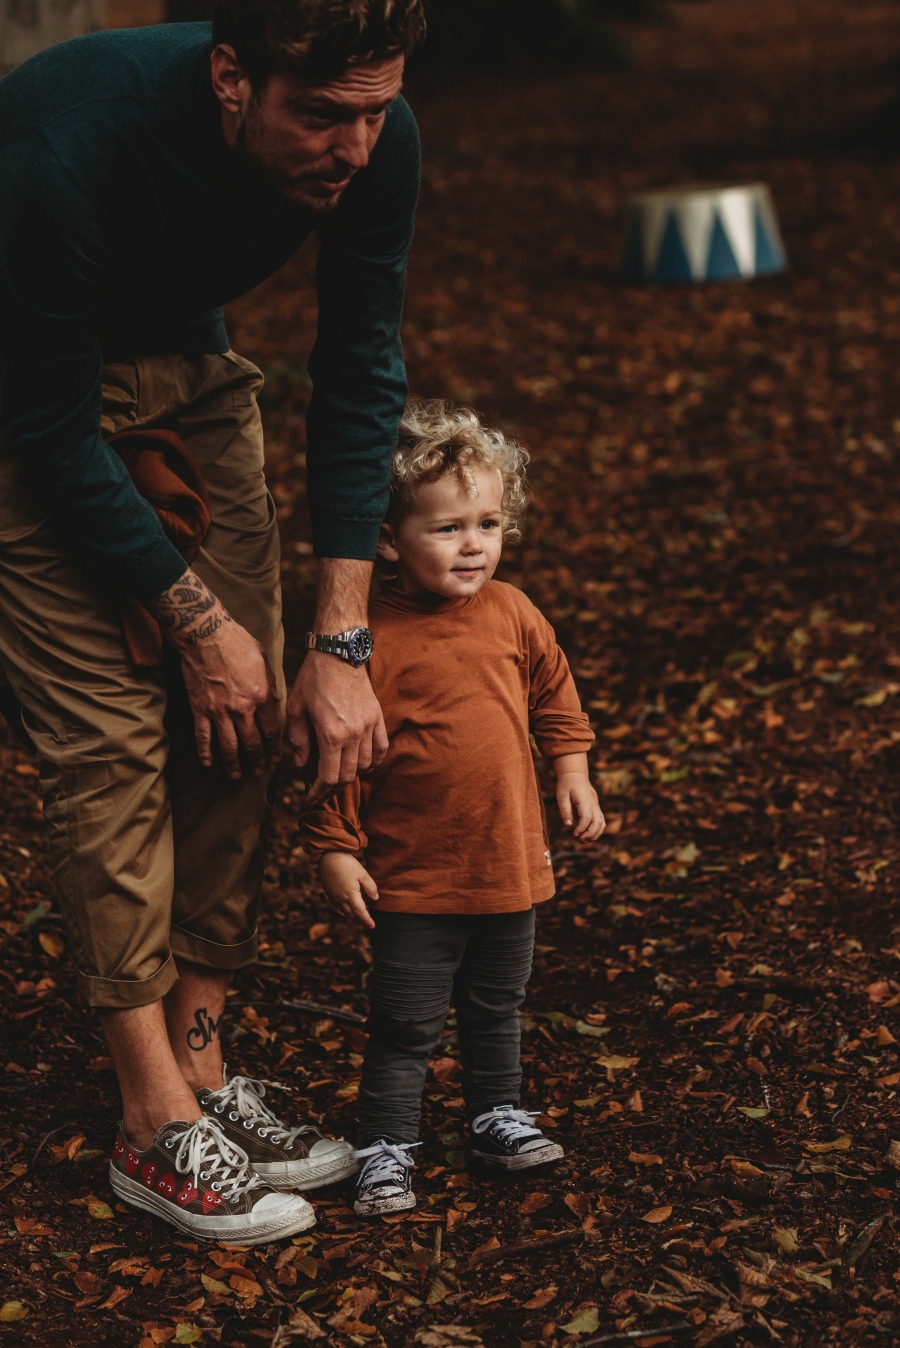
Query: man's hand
column 227, row 676
column 330, row 697
column 577, row 799
column 345, row 880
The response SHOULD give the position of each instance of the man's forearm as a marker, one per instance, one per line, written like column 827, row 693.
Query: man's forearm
column 188, row 611
column 343, row 594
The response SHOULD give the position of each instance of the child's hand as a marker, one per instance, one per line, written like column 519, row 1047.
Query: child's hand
column 345, row 881
column 577, row 798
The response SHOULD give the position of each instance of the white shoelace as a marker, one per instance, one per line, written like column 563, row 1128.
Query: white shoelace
column 386, row 1162
column 246, row 1097
column 509, row 1124
column 204, row 1152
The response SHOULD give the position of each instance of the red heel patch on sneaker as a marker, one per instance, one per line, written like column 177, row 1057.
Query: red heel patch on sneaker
column 149, row 1173
column 132, row 1161
column 187, row 1193
column 118, row 1149
column 211, row 1201
column 167, row 1185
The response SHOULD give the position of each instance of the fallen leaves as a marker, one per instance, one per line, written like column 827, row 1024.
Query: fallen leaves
column 842, row 1143
column 11, row 1311
column 645, row 1158
column 52, row 944
column 541, row 1299
column 533, row 1202
column 584, row 1321
column 101, row 1211
column 657, row 1215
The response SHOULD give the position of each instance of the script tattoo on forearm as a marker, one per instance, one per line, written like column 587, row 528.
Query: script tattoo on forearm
column 204, row 1032
column 189, row 607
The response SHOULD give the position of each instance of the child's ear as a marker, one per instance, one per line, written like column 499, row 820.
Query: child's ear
column 387, row 547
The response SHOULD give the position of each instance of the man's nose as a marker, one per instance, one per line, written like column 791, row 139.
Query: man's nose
column 352, row 147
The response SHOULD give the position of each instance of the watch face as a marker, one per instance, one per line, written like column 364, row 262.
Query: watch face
column 360, row 644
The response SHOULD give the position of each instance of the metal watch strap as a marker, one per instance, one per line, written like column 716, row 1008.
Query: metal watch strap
column 331, row 645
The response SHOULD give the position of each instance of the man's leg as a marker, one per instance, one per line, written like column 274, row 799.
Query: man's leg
column 153, row 1086
column 193, row 1011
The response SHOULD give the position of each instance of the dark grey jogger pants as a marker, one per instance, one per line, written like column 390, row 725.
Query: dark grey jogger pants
column 422, row 962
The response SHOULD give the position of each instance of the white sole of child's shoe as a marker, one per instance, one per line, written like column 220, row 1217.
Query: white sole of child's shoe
column 236, row 1230
column 525, row 1160
column 308, row 1174
column 377, row 1207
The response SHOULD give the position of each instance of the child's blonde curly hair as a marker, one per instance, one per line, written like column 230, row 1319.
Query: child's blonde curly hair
column 436, row 438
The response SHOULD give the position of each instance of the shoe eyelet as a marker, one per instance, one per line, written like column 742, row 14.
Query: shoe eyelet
column 248, row 1123
column 218, row 1109
column 234, row 1117
column 169, row 1144
column 204, row 1174
column 234, row 1198
column 215, row 1187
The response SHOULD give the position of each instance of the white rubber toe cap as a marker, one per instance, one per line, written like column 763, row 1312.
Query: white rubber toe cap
column 275, row 1206
column 329, row 1146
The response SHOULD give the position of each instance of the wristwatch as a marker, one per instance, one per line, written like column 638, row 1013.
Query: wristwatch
column 355, row 646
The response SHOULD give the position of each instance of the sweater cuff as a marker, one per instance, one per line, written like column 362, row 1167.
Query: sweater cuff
column 337, row 537
column 558, row 748
column 148, row 576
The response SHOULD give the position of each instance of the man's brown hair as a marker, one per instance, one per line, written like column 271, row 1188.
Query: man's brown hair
column 316, row 39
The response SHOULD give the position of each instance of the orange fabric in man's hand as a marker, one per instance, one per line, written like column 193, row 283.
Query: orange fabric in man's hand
column 451, row 821
column 167, row 475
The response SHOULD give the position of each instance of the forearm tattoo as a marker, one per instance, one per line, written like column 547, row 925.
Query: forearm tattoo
column 190, row 608
column 204, row 1032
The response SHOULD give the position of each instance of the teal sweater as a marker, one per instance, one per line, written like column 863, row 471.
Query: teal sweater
column 125, row 225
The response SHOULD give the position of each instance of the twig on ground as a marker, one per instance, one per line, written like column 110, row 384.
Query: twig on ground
column 524, row 1247
column 629, row 1335
column 316, row 1009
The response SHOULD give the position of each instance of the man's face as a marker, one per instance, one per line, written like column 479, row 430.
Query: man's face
column 307, row 140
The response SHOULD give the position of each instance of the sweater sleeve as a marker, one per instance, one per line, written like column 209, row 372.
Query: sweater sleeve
column 333, row 825
column 557, row 722
column 356, row 365
column 53, row 265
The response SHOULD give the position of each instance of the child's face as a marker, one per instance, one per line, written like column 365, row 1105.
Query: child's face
column 450, row 542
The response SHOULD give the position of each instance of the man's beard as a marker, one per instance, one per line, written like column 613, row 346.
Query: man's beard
column 249, row 145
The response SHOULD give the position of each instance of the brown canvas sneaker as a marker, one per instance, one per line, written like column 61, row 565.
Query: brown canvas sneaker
column 194, row 1177
column 286, row 1158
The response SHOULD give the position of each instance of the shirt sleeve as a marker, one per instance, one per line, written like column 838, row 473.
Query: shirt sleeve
column 557, row 722
column 356, row 366
column 53, row 267
column 333, row 825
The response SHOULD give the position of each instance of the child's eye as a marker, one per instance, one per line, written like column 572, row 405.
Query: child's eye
column 447, row 529
column 490, row 524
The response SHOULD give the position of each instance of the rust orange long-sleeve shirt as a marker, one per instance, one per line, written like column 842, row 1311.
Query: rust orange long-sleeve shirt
column 452, row 821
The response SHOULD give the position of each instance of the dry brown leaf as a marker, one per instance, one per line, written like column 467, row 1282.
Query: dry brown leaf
column 304, row 1326
column 645, row 1158
column 723, row 1321
column 533, row 1203
column 116, row 1295
column 842, row 1143
column 746, row 1170
column 656, row 1215
column 318, row 930
column 541, row 1299
column 455, row 1219
column 30, row 1226
column 88, row 1283
column 752, row 1283
column 445, row 1068
column 51, row 944
column 884, row 1037
column 244, row 1286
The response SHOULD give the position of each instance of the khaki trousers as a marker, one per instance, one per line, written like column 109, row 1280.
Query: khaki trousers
column 153, row 855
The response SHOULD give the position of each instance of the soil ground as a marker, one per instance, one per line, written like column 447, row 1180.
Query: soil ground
column 714, row 533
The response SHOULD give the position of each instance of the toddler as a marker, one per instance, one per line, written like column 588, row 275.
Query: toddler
column 442, row 849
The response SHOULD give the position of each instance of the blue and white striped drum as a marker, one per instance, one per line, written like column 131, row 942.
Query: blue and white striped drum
column 703, row 234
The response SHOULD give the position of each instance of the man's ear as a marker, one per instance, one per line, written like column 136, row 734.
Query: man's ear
column 230, row 82
column 387, row 547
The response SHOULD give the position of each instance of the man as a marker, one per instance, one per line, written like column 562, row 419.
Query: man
column 148, row 177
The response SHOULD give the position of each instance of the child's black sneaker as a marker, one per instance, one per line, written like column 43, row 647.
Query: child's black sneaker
column 506, row 1137
column 385, row 1181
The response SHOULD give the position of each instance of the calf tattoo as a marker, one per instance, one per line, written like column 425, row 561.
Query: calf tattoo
column 203, row 1033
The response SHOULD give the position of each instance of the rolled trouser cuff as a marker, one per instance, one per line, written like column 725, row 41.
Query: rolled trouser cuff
column 120, row 994
column 198, row 950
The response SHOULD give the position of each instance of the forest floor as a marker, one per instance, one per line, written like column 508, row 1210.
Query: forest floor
column 714, row 533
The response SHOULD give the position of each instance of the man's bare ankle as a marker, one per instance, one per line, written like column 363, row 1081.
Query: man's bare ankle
column 202, row 1079
column 141, row 1129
